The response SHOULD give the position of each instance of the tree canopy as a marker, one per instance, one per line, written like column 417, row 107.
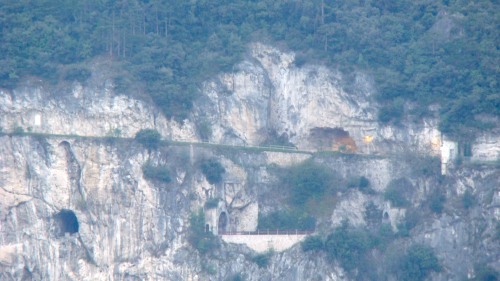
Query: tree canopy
column 420, row 52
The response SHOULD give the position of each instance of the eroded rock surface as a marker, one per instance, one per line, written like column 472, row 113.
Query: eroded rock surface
column 132, row 228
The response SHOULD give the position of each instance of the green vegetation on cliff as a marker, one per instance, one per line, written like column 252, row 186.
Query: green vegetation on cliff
column 201, row 238
column 212, row 170
column 425, row 52
column 358, row 250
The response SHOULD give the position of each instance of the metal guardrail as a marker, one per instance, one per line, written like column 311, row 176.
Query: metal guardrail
column 277, row 148
column 271, row 146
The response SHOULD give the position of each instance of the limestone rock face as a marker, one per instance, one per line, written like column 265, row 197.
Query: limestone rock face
column 268, row 96
column 93, row 110
column 486, row 147
column 133, row 228
column 351, row 208
column 120, row 215
column 128, row 228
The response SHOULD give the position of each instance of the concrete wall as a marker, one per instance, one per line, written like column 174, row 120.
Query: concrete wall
column 449, row 151
column 262, row 243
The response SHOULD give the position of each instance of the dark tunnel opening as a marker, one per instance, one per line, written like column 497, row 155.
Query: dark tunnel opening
column 67, row 222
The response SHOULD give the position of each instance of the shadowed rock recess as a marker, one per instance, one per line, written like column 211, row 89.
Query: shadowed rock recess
column 66, row 222
column 75, row 204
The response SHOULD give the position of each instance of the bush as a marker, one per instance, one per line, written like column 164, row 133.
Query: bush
column 312, row 243
column 417, row 263
column 201, row 240
column 212, row 170
column 372, row 215
column 79, row 74
column 262, row 260
column 398, row 192
column 485, row 273
column 212, row 203
column 274, row 139
column 361, row 183
column 150, row 138
column 18, row 130
column 307, row 180
column 426, row 166
column 412, row 218
column 156, row 172
column 384, row 236
column 348, row 246
column 436, row 201
column 468, row 199
column 204, row 130
column 392, row 113
column 286, row 220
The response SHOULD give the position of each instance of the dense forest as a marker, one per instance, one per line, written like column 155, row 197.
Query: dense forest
column 420, row 52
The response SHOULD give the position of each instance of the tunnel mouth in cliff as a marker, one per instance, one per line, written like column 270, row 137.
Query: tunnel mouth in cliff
column 336, row 139
column 66, row 222
column 222, row 223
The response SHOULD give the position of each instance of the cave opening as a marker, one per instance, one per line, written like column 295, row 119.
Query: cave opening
column 222, row 222
column 386, row 216
column 67, row 222
column 336, row 138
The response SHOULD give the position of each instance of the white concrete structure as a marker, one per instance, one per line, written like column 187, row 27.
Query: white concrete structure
column 449, row 150
column 263, row 243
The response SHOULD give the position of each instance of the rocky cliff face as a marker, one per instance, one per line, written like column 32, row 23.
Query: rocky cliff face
column 93, row 110
column 127, row 227
column 135, row 229
column 308, row 105
column 74, row 208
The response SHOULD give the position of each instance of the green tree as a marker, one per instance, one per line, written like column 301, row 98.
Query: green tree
column 286, row 220
column 348, row 246
column 262, row 260
column 213, row 170
column 411, row 219
column 485, row 273
column 312, row 243
column 417, row 263
column 307, row 180
column 156, row 172
column 436, row 201
column 202, row 240
column 468, row 199
column 171, row 47
column 399, row 192
column 361, row 183
column 150, row 138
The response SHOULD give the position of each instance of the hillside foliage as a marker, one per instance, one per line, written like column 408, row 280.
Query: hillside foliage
column 201, row 239
column 213, row 170
column 307, row 180
column 153, row 172
column 150, row 138
column 420, row 52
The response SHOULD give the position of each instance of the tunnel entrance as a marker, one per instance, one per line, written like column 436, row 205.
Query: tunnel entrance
column 66, row 222
column 221, row 226
column 336, row 139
